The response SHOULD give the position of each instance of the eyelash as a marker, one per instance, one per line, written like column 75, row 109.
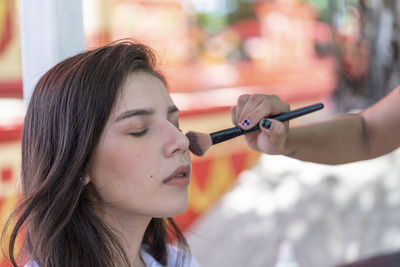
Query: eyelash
column 139, row 134
column 142, row 133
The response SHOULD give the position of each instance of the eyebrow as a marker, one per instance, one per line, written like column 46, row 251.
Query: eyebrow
column 143, row 112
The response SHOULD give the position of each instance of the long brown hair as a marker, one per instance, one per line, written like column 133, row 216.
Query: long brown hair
column 65, row 118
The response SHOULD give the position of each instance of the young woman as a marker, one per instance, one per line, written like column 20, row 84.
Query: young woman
column 104, row 165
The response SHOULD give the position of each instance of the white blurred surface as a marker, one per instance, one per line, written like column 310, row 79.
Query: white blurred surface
column 329, row 214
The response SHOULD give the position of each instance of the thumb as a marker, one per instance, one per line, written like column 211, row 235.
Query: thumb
column 273, row 128
column 272, row 137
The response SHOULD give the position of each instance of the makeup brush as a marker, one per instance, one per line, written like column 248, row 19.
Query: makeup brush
column 201, row 142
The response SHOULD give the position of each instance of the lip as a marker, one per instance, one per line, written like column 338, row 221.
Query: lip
column 184, row 180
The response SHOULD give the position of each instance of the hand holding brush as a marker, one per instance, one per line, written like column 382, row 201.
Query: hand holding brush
column 201, row 142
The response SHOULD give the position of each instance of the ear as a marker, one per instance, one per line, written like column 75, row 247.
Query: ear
column 86, row 179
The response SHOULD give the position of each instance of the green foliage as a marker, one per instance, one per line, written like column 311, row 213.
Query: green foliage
column 212, row 22
column 323, row 8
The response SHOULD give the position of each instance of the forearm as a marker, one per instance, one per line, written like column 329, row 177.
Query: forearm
column 341, row 140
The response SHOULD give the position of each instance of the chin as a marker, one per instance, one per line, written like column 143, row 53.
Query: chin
column 171, row 209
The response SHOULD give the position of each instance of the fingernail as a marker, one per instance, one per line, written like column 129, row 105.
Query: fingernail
column 266, row 124
column 245, row 123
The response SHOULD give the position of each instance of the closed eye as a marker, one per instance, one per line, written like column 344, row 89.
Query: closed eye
column 139, row 134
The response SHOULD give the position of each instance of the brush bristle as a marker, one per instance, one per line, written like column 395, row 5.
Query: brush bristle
column 199, row 142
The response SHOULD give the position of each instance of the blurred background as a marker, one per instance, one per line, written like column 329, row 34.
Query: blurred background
column 248, row 209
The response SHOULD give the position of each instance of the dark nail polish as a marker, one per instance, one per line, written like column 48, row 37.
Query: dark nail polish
column 245, row 123
column 266, row 123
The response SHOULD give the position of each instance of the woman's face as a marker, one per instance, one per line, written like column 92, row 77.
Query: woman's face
column 142, row 164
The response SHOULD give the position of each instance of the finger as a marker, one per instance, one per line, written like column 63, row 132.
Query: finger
column 241, row 103
column 242, row 100
column 270, row 139
column 252, row 102
column 273, row 128
column 234, row 115
column 255, row 114
column 266, row 108
column 251, row 139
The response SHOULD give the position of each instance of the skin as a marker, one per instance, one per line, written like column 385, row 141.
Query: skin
column 369, row 134
column 136, row 153
column 254, row 108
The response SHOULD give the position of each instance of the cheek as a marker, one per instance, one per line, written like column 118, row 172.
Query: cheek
column 122, row 172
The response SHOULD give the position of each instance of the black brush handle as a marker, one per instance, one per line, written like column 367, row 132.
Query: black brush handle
column 220, row 136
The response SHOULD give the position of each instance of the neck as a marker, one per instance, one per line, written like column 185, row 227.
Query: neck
column 131, row 228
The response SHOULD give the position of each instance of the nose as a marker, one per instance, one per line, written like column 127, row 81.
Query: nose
column 176, row 143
